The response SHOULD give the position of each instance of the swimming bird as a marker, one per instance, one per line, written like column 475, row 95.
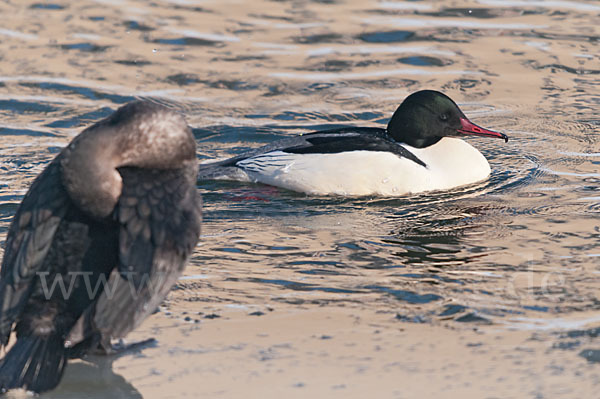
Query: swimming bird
column 97, row 242
column 419, row 151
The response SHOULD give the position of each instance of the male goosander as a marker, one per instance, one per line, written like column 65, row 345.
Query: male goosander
column 97, row 242
column 419, row 151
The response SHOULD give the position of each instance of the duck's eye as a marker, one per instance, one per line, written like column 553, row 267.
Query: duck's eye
column 444, row 117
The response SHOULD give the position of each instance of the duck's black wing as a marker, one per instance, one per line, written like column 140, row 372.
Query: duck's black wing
column 323, row 142
column 351, row 139
column 159, row 213
column 29, row 238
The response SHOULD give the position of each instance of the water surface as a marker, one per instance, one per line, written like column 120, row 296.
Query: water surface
column 519, row 251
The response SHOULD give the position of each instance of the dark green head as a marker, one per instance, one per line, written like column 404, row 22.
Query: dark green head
column 426, row 116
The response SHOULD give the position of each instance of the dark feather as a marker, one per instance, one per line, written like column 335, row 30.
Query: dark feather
column 27, row 244
column 351, row 139
column 155, row 240
column 34, row 363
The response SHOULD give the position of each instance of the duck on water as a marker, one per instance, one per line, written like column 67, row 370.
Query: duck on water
column 97, row 242
column 419, row 151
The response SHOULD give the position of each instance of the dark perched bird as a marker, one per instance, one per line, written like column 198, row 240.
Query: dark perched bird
column 419, row 151
column 97, row 242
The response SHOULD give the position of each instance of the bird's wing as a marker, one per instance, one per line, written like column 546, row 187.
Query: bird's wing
column 324, row 142
column 351, row 139
column 28, row 241
column 159, row 213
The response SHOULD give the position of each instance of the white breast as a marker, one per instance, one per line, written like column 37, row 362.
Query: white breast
column 450, row 163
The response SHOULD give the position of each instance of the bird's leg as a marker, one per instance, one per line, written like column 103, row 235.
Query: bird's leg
column 107, row 348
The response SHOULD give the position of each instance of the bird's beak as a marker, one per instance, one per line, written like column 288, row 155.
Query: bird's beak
column 469, row 128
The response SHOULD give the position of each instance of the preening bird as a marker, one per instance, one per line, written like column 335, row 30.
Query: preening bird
column 97, row 242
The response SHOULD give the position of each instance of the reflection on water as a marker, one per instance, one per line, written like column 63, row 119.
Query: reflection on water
column 95, row 379
column 514, row 249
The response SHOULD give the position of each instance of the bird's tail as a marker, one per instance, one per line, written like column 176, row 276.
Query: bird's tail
column 33, row 363
column 216, row 171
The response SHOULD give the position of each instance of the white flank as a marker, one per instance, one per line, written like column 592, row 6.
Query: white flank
column 450, row 163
